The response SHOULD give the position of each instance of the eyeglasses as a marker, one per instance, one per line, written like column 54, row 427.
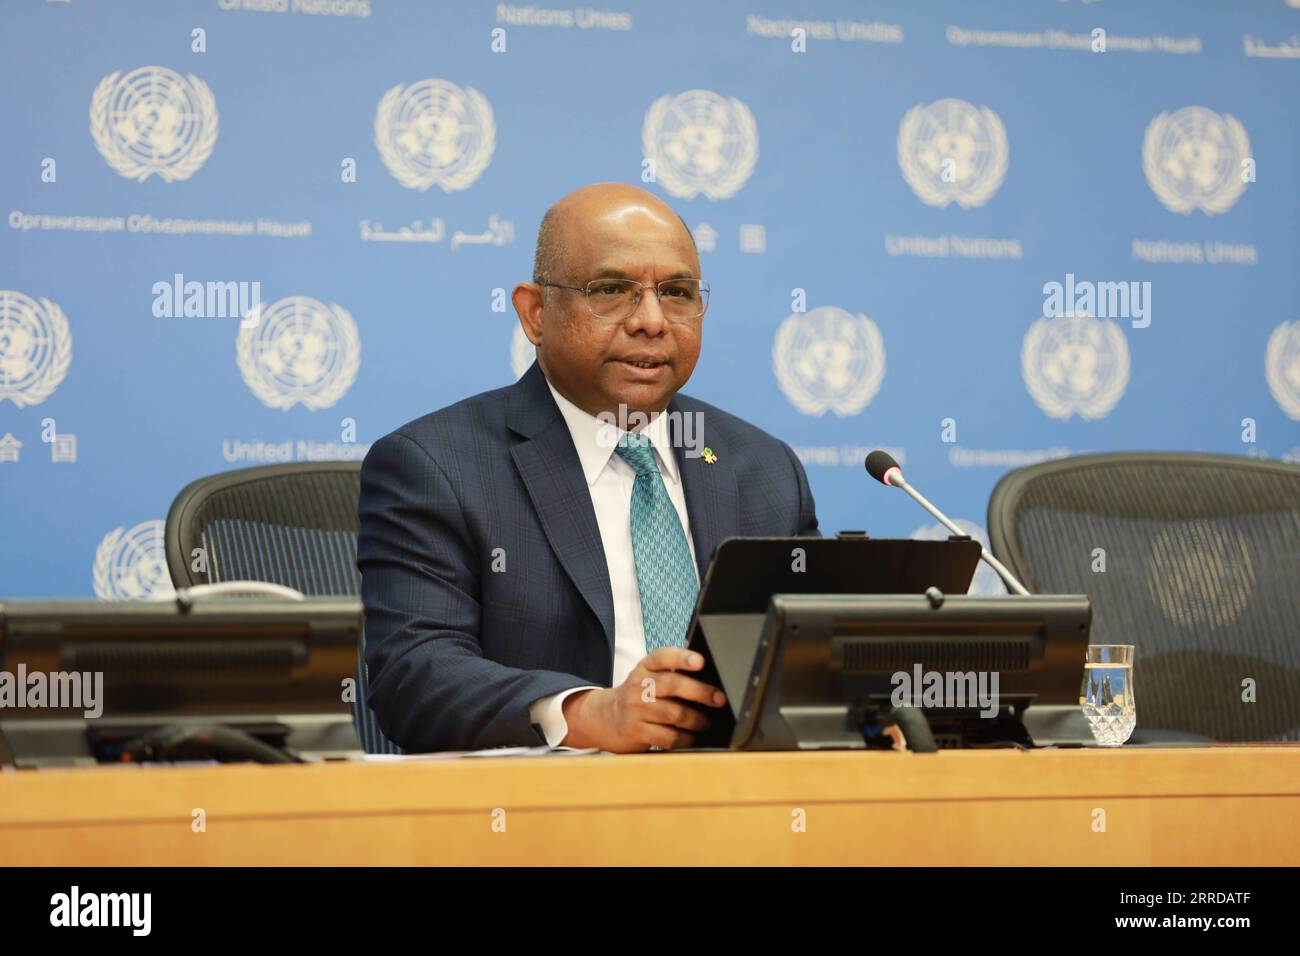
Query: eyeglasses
column 680, row 300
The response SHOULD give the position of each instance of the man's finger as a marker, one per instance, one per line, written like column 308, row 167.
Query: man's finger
column 673, row 659
column 672, row 714
column 665, row 737
column 687, row 688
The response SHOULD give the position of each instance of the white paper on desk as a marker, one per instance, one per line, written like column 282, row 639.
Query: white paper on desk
column 530, row 752
column 492, row 752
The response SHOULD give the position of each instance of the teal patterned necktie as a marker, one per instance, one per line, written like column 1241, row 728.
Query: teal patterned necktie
column 665, row 572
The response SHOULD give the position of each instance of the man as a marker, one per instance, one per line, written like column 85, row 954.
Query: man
column 528, row 569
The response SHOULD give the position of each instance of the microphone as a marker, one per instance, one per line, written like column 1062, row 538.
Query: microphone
column 882, row 467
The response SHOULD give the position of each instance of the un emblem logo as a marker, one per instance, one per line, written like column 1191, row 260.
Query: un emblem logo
column 433, row 133
column 1200, row 574
column 35, row 348
column 132, row 565
column 300, row 351
column 153, row 120
column 700, row 143
column 1281, row 367
column 1075, row 365
column 951, row 151
column 829, row 359
column 522, row 352
column 1193, row 160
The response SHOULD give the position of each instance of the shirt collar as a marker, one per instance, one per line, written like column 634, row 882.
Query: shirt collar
column 595, row 449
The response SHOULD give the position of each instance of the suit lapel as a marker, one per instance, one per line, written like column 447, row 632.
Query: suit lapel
column 552, row 474
column 549, row 467
column 712, row 498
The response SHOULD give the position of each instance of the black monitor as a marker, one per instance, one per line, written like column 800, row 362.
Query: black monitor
column 272, row 668
column 818, row 670
column 833, row 670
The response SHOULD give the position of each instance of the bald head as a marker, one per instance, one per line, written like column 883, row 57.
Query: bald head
column 601, row 363
column 554, row 258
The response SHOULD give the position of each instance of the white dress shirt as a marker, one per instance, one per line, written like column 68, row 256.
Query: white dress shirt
column 610, row 480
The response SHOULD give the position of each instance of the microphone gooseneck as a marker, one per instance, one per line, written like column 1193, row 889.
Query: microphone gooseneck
column 882, row 467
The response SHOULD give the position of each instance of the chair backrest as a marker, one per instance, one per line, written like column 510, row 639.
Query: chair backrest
column 1193, row 558
column 292, row 524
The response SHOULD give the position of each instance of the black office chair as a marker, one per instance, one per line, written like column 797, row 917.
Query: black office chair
column 294, row 525
column 1201, row 559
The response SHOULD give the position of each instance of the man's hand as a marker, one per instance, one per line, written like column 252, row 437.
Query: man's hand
column 646, row 710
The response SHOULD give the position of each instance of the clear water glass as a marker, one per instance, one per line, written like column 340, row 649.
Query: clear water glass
column 1107, row 693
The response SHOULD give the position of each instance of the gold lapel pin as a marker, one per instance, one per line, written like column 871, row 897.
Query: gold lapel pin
column 709, row 457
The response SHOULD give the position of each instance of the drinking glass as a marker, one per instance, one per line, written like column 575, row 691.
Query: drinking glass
column 1107, row 693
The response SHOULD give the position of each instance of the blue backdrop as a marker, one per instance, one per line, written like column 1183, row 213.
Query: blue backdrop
column 881, row 192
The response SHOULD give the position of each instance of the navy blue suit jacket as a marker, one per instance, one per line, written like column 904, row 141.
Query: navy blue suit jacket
column 455, row 650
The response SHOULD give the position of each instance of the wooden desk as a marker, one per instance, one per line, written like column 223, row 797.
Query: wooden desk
column 1211, row 806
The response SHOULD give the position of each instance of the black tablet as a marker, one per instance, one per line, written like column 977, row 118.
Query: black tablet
column 746, row 572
